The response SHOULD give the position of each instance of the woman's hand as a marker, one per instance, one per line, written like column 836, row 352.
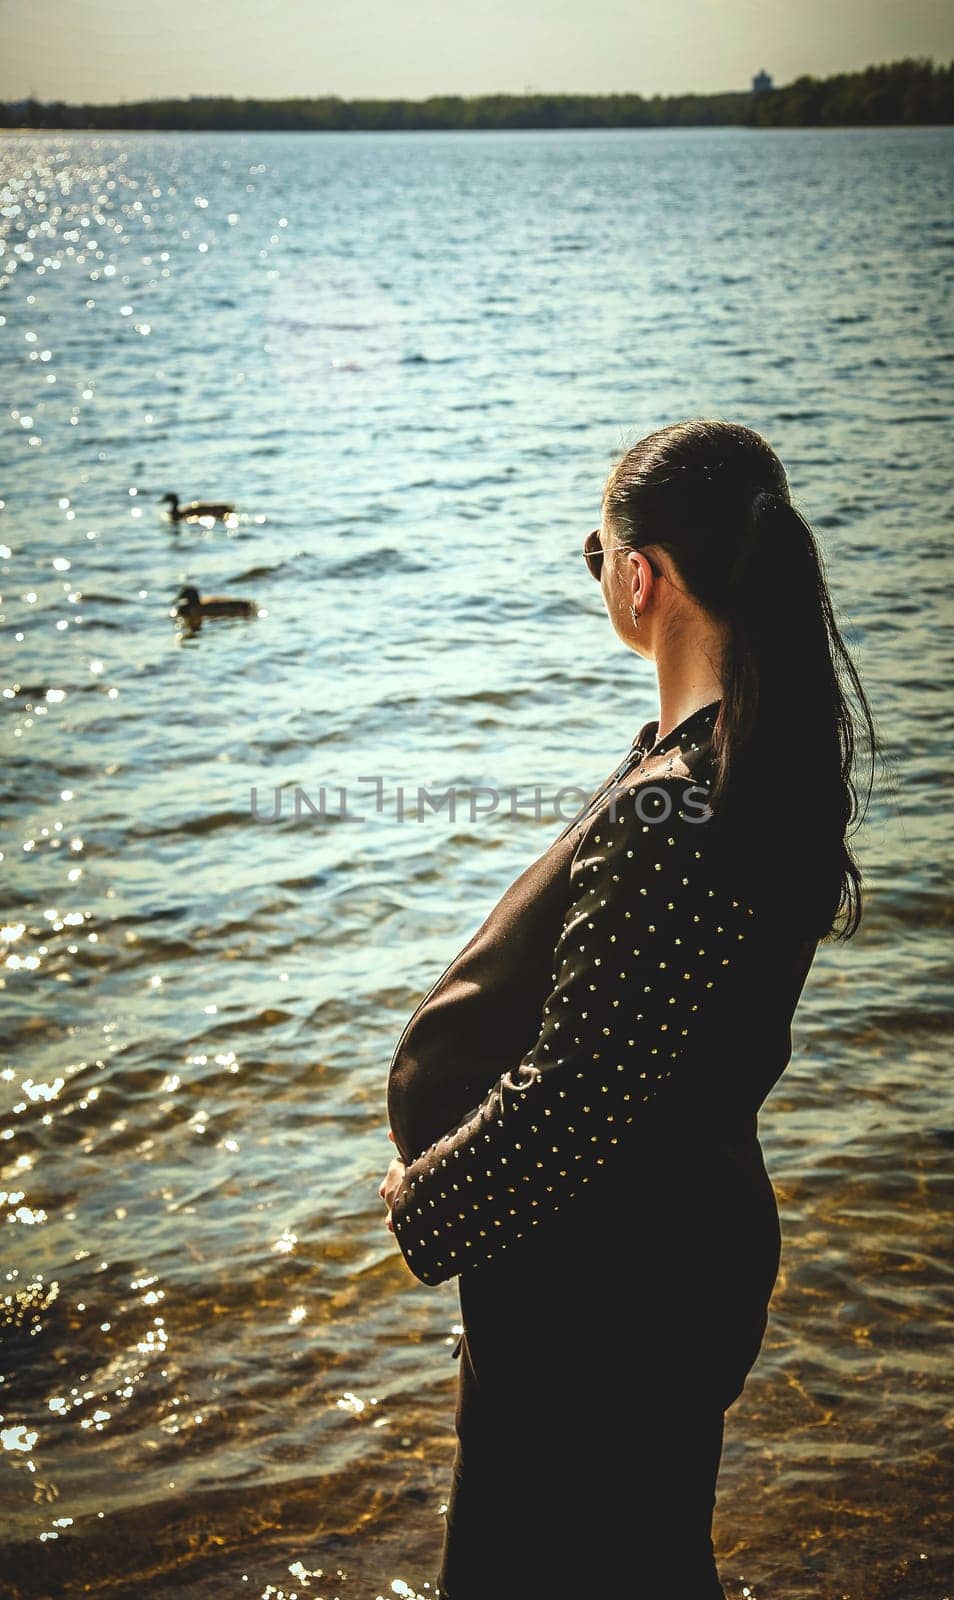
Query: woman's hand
column 391, row 1183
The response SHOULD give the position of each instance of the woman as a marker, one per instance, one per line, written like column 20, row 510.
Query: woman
column 574, row 1103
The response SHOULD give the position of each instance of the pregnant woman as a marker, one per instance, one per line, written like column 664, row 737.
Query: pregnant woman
column 574, row 1103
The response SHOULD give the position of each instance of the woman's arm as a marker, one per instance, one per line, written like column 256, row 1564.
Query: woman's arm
column 647, row 943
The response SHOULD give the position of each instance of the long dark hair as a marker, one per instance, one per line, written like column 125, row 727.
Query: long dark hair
column 715, row 496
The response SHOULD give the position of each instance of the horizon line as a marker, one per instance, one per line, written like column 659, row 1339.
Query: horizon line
column 525, row 95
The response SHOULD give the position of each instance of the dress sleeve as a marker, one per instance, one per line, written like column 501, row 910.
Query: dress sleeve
column 648, row 940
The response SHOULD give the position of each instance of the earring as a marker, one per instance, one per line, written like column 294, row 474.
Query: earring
column 632, row 611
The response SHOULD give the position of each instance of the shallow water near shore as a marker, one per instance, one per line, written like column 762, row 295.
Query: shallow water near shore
column 410, row 361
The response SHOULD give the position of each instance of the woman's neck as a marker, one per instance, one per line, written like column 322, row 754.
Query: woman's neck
column 687, row 679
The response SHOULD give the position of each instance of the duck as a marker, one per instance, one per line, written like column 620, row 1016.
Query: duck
column 196, row 509
column 191, row 607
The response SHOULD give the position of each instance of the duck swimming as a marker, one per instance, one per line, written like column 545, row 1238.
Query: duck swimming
column 191, row 607
column 196, row 509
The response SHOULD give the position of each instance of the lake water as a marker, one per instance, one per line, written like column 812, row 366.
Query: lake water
column 410, row 360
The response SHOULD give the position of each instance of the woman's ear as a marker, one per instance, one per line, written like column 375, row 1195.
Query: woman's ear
column 638, row 579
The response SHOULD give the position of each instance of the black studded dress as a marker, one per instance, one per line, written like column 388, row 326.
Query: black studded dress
column 576, row 1100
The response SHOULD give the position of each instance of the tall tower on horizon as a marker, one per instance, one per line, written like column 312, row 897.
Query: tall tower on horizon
column 762, row 80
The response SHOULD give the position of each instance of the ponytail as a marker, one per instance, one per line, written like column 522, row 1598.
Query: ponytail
column 715, row 497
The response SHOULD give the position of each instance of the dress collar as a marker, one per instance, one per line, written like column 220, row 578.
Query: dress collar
column 696, row 727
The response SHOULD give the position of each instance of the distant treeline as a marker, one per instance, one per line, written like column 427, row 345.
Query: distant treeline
column 909, row 91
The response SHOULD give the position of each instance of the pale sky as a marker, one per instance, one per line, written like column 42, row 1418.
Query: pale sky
column 109, row 50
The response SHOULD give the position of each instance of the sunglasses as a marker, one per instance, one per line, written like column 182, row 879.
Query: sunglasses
column 594, row 551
